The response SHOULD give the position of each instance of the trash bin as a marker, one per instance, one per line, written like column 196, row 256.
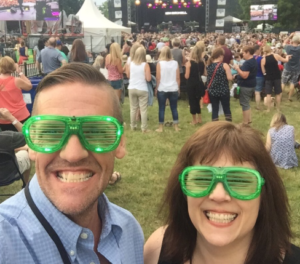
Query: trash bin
column 30, row 95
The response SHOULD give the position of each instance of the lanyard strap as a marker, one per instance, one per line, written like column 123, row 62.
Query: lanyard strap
column 62, row 251
column 212, row 78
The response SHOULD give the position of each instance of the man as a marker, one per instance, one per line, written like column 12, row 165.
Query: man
column 58, row 47
column 291, row 70
column 108, row 45
column 178, row 55
column 74, row 141
column 13, row 143
column 50, row 57
column 21, row 6
column 227, row 52
column 160, row 44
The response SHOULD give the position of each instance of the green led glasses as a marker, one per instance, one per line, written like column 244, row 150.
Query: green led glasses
column 240, row 183
column 49, row 133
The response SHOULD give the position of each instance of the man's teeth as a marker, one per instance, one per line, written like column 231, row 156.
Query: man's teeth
column 74, row 176
column 220, row 218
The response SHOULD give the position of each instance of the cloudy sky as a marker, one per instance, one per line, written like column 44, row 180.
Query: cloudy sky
column 99, row 2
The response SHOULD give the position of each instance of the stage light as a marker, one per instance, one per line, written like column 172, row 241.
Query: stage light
column 196, row 1
column 171, row 7
column 175, row 2
column 149, row 5
column 156, row 2
column 184, row 4
column 137, row 2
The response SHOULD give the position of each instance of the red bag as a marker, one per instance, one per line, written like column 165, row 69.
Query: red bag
column 206, row 98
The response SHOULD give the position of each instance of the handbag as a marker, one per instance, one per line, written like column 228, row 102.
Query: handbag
column 206, row 99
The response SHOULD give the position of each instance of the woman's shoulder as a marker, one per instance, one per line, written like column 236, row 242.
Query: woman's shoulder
column 293, row 256
column 153, row 246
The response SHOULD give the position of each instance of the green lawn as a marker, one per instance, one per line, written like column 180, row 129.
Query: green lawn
column 150, row 157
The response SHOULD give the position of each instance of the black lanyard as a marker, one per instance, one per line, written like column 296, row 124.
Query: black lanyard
column 62, row 251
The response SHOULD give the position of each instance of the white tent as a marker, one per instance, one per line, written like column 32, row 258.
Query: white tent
column 98, row 30
column 232, row 19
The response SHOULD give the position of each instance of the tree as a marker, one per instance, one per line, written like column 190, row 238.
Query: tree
column 70, row 6
column 104, row 9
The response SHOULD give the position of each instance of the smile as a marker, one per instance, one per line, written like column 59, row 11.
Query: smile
column 221, row 218
column 74, row 176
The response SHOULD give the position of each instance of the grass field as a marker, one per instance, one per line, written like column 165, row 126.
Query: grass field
column 150, row 157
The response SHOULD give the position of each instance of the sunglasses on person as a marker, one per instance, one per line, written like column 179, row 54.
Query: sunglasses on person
column 240, row 183
column 50, row 133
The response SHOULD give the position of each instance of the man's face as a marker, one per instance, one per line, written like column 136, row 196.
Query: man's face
column 74, row 177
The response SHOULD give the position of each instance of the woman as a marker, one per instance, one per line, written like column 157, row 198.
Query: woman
column 167, row 86
column 260, row 79
column 218, row 75
column 37, row 49
column 99, row 65
column 113, row 64
column 280, row 142
column 78, row 52
column 23, row 53
column 232, row 222
column 11, row 96
column 195, row 68
column 247, row 81
column 270, row 69
column 139, row 74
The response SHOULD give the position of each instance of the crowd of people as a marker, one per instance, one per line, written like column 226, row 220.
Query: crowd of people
column 222, row 203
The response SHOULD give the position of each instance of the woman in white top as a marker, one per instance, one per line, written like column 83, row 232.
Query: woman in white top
column 167, row 86
column 138, row 74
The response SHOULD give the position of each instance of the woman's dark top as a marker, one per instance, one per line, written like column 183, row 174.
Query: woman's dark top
column 292, row 258
column 195, row 81
column 272, row 70
column 22, row 51
column 251, row 67
column 219, row 86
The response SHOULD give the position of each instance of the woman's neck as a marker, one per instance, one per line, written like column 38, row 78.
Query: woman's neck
column 234, row 253
column 217, row 60
column 4, row 75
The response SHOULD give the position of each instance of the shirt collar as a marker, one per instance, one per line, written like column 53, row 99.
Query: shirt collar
column 69, row 236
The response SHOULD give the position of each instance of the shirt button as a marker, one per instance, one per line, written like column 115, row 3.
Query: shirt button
column 84, row 235
column 72, row 252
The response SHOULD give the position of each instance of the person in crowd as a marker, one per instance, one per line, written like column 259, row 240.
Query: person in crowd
column 195, row 68
column 179, row 56
column 226, row 204
column 65, row 50
column 2, row 46
column 109, row 44
column 139, row 74
column 78, row 52
column 37, row 49
column 151, row 64
column 50, row 57
column 59, row 46
column 167, row 86
column 11, row 93
column 227, row 52
column 14, row 143
column 23, row 52
column 21, row 6
column 280, row 142
column 218, row 75
column 113, row 64
column 260, row 79
column 99, row 65
column 247, row 81
column 160, row 45
column 126, row 48
column 269, row 66
column 71, row 177
column 291, row 70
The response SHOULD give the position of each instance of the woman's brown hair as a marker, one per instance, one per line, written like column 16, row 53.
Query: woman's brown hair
column 78, row 53
column 7, row 65
column 218, row 52
column 241, row 143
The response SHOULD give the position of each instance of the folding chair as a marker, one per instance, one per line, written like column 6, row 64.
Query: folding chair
column 6, row 159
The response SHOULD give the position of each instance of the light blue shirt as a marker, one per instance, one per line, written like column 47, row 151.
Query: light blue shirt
column 24, row 240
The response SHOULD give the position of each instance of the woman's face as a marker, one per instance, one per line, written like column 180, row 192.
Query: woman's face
column 221, row 220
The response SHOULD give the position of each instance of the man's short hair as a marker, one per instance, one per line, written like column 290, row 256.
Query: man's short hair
column 221, row 40
column 79, row 73
column 249, row 49
column 176, row 42
column 296, row 40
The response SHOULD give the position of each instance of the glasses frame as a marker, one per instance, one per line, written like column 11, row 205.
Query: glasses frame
column 219, row 175
column 73, row 126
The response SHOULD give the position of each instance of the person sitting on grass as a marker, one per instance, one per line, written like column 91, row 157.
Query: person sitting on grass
column 281, row 141
column 14, row 143
column 228, row 205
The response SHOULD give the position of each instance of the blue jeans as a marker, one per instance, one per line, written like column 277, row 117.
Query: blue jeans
column 162, row 98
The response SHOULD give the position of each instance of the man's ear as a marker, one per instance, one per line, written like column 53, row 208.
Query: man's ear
column 121, row 149
column 32, row 154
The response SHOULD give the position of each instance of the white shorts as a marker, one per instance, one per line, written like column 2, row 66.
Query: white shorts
column 23, row 160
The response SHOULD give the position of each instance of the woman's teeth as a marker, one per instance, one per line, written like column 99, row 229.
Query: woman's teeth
column 74, row 176
column 220, row 218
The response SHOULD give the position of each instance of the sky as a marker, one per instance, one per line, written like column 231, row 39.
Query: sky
column 99, row 2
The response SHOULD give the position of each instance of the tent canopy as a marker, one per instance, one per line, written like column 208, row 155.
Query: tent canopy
column 232, row 19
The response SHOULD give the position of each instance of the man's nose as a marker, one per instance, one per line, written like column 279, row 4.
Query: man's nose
column 73, row 151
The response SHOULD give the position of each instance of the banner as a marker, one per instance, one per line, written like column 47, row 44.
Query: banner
column 117, row 3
